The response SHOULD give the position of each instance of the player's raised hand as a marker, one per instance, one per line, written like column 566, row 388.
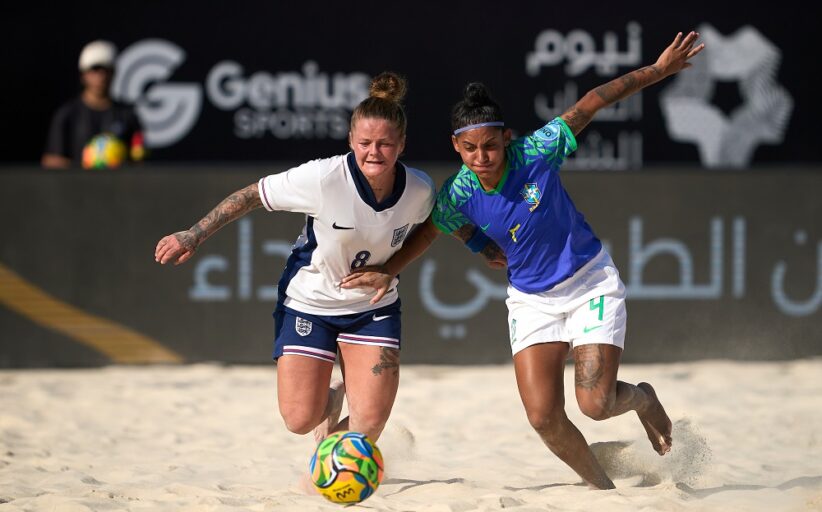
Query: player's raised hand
column 374, row 276
column 177, row 248
column 675, row 57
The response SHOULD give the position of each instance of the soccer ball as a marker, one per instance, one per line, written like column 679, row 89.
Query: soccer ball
column 104, row 151
column 347, row 467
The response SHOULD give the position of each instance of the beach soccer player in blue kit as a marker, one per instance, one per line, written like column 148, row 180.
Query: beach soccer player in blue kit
column 564, row 292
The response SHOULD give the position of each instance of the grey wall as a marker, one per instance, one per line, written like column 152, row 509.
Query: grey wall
column 718, row 265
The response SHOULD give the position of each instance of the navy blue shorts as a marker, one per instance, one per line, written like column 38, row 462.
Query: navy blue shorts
column 304, row 334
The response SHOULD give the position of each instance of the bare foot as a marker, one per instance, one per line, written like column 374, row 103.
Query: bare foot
column 336, row 393
column 655, row 420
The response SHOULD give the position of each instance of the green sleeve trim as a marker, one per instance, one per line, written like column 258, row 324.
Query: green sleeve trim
column 568, row 133
column 440, row 226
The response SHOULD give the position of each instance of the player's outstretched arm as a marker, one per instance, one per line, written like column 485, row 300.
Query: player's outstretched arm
column 379, row 277
column 180, row 247
column 672, row 60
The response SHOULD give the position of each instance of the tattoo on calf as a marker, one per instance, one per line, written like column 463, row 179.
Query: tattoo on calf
column 389, row 361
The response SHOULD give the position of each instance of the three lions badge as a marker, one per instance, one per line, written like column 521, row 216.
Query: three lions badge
column 303, row 326
column 399, row 235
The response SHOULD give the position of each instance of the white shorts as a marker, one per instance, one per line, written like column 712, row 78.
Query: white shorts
column 586, row 308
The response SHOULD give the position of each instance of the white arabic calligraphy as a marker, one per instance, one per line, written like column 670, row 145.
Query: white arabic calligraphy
column 628, row 109
column 783, row 302
column 640, row 253
column 685, row 289
column 486, row 290
column 203, row 290
column 595, row 153
column 551, row 47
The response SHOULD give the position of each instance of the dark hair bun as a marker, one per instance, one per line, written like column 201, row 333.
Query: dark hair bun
column 389, row 86
column 476, row 94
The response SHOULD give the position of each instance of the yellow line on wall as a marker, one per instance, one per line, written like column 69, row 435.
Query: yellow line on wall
column 119, row 343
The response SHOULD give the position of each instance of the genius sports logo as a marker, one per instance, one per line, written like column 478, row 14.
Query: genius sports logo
column 308, row 104
column 168, row 111
column 752, row 61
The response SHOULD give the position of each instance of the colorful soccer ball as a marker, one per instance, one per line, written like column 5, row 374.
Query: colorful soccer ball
column 104, row 151
column 347, row 467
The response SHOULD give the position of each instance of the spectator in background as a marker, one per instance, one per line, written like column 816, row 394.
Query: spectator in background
column 92, row 113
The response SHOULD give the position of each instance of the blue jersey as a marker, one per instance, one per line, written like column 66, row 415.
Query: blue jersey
column 529, row 214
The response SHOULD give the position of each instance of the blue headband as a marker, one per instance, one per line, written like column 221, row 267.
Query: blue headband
column 478, row 125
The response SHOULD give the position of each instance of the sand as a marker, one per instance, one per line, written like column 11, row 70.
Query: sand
column 747, row 437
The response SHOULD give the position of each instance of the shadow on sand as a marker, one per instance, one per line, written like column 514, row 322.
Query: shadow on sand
column 803, row 481
column 417, row 483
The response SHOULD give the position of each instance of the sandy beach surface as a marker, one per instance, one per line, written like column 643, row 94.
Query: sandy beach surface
column 747, row 437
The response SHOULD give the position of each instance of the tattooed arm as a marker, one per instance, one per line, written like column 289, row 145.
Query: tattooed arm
column 494, row 256
column 179, row 247
column 673, row 60
column 379, row 277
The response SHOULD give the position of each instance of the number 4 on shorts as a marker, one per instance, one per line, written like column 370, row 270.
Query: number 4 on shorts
column 600, row 305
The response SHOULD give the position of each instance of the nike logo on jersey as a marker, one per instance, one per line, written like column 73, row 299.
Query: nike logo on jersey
column 378, row 318
column 335, row 226
column 485, row 227
column 587, row 329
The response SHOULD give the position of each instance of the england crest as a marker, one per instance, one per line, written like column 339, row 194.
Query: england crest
column 532, row 194
column 303, row 326
column 399, row 235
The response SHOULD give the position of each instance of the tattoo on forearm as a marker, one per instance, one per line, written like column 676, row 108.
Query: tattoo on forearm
column 232, row 207
column 389, row 361
column 465, row 232
column 577, row 119
column 627, row 84
column 492, row 252
column 589, row 367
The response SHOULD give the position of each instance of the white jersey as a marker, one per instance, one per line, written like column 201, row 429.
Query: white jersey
column 345, row 229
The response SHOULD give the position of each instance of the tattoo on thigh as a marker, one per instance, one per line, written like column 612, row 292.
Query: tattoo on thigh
column 389, row 361
column 589, row 367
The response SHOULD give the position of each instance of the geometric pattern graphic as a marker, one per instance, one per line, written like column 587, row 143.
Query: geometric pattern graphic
column 729, row 141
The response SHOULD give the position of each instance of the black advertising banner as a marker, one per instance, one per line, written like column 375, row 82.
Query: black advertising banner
column 725, row 265
column 273, row 81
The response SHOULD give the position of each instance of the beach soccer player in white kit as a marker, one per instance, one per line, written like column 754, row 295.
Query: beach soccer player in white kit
column 359, row 208
column 564, row 293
